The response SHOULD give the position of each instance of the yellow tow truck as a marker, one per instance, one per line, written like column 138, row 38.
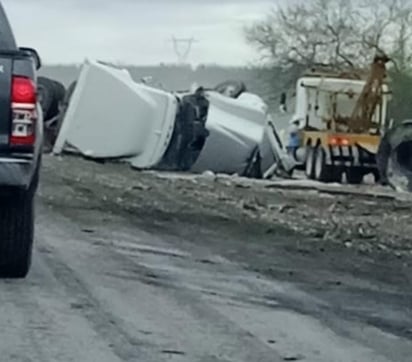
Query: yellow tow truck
column 342, row 117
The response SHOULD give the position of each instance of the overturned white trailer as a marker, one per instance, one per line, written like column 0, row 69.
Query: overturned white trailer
column 110, row 116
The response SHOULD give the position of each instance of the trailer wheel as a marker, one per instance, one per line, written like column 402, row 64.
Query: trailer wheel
column 323, row 172
column 310, row 163
column 354, row 176
column 377, row 177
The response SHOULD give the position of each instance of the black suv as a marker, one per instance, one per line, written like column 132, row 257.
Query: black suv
column 21, row 138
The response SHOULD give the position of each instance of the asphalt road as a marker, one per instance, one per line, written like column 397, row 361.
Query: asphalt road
column 106, row 288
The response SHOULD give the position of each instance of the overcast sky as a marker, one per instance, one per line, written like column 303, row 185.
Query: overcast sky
column 136, row 31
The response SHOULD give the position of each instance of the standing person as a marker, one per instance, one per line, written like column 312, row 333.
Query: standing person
column 294, row 137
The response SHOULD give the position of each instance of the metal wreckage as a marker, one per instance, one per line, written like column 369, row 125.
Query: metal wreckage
column 106, row 115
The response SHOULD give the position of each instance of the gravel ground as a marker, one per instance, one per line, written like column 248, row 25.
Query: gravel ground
column 148, row 266
column 366, row 218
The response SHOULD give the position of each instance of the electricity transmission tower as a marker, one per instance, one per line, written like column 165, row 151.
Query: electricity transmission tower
column 182, row 48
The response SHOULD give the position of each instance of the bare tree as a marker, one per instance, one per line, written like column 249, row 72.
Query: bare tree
column 341, row 34
column 338, row 33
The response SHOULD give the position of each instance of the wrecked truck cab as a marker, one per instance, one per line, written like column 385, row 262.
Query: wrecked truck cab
column 237, row 128
column 111, row 116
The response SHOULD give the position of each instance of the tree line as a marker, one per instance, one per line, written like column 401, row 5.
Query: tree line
column 340, row 34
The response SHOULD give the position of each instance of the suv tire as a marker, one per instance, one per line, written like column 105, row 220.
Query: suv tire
column 16, row 234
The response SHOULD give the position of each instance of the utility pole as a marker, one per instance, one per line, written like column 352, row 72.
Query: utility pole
column 183, row 48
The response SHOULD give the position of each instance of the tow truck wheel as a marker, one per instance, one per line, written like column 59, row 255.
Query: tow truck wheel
column 354, row 176
column 310, row 163
column 336, row 175
column 323, row 172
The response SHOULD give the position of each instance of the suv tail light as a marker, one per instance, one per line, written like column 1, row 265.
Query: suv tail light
column 24, row 115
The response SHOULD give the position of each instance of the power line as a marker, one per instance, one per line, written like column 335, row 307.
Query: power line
column 183, row 48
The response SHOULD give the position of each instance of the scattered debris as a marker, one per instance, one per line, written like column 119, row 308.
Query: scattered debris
column 140, row 187
column 88, row 231
column 365, row 232
column 284, row 208
column 294, row 358
column 173, row 352
column 209, row 175
column 250, row 206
